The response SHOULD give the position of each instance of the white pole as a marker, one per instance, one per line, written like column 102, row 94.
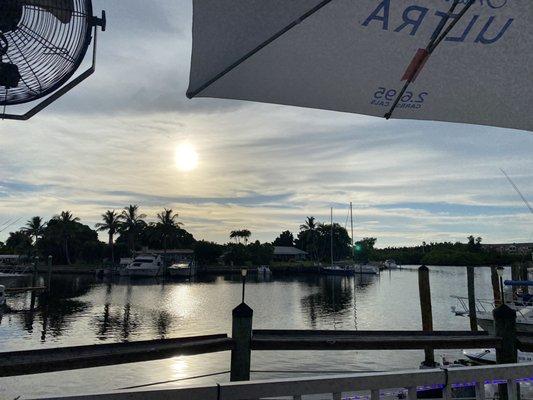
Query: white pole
column 331, row 237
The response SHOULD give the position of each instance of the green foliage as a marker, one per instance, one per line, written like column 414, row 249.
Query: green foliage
column 286, row 238
column 207, row 253
column 253, row 254
column 316, row 240
column 446, row 253
column 240, row 234
column 364, row 249
column 19, row 243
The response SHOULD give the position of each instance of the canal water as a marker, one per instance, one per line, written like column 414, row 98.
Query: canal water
column 86, row 310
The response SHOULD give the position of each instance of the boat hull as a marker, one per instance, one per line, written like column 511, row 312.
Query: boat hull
column 338, row 272
column 143, row 273
column 180, row 273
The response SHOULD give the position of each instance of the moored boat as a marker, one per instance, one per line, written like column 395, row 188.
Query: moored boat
column 366, row 269
column 182, row 270
column 390, row 264
column 338, row 270
column 145, row 265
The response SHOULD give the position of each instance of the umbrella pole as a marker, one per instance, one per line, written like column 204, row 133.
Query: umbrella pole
column 430, row 48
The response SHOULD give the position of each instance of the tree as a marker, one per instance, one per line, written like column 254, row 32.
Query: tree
column 309, row 224
column 111, row 224
column 19, row 243
column 245, row 234
column 207, row 252
column 34, row 228
column 235, row 235
column 286, row 238
column 364, row 249
column 308, row 238
column 131, row 224
column 241, row 234
column 66, row 224
column 166, row 226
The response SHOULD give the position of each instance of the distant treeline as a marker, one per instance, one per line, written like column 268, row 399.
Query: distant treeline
column 69, row 241
column 447, row 253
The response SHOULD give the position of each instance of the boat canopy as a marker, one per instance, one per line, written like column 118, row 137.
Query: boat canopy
column 518, row 283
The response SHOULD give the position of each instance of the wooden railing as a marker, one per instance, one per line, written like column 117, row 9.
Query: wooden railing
column 371, row 385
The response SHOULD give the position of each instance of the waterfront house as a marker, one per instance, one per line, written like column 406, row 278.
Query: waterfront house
column 286, row 253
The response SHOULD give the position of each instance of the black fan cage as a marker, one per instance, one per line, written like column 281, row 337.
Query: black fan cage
column 46, row 51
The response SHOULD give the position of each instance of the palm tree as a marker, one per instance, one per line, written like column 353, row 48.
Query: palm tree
column 131, row 223
column 309, row 224
column 66, row 222
column 166, row 225
column 34, row 228
column 245, row 234
column 111, row 224
column 235, row 235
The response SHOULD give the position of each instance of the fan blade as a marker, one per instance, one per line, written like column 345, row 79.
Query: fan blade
column 61, row 9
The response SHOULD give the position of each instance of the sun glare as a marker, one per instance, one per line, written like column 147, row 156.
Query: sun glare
column 186, row 157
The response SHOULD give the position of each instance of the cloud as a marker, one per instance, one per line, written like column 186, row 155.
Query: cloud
column 111, row 142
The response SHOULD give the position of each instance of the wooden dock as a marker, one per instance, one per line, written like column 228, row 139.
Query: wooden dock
column 370, row 340
column 67, row 358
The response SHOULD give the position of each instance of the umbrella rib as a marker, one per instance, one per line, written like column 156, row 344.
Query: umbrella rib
column 193, row 93
column 430, row 48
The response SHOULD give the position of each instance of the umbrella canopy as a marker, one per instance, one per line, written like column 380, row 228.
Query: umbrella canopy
column 357, row 56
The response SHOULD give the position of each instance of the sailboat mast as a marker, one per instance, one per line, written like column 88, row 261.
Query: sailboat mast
column 351, row 226
column 331, row 236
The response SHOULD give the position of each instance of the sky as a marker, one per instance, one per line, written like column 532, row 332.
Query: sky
column 112, row 142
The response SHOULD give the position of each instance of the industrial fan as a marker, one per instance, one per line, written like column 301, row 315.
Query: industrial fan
column 42, row 44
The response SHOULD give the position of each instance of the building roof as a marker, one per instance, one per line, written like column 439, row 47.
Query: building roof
column 171, row 251
column 288, row 251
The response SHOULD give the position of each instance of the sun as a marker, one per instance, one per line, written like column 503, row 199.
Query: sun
column 186, row 157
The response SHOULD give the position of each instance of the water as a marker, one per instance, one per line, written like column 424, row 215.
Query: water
column 85, row 311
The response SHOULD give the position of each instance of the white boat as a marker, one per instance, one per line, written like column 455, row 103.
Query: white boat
column 145, row 265
column 123, row 265
column 390, row 264
column 2, row 295
column 366, row 269
column 524, row 320
column 488, row 356
column 485, row 319
column 338, row 270
column 183, row 269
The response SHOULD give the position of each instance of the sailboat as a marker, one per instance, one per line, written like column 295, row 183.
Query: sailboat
column 336, row 269
column 361, row 268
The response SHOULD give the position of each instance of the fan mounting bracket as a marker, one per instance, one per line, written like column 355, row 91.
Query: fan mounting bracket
column 95, row 22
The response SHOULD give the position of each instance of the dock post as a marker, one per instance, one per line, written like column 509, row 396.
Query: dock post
column 49, row 278
column 495, row 285
column 242, row 343
column 505, row 327
column 471, row 299
column 425, row 308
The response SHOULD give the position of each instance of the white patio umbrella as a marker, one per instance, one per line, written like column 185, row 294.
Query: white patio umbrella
column 467, row 61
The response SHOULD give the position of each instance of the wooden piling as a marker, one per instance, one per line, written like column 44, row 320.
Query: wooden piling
column 515, row 276
column 49, row 278
column 495, row 285
column 425, row 308
column 505, row 327
column 242, row 343
column 471, row 298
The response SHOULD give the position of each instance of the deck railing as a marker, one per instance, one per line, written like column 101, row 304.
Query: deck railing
column 370, row 386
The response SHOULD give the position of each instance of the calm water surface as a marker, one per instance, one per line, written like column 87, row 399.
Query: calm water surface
column 85, row 310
